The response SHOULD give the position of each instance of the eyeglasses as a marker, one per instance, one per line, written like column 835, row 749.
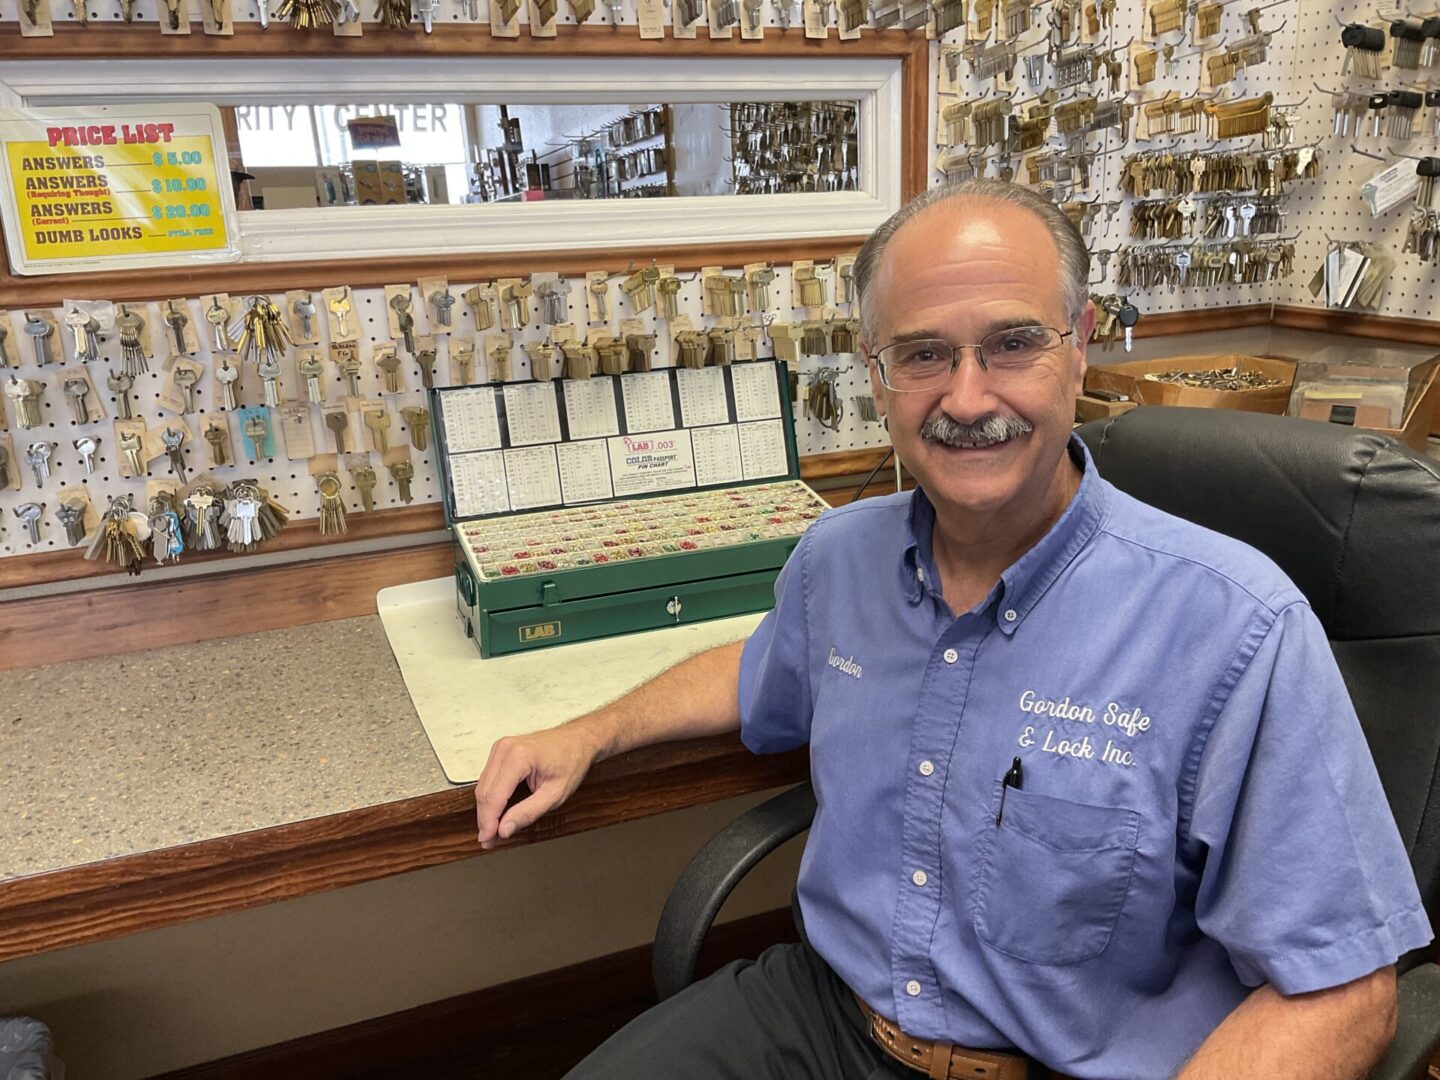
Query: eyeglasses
column 929, row 362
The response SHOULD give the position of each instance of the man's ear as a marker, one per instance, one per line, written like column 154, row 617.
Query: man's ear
column 877, row 388
column 1084, row 330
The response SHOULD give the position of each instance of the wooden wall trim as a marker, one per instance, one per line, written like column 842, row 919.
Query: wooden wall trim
column 99, row 901
column 51, row 567
column 250, row 41
column 144, row 42
column 1382, row 327
column 273, row 277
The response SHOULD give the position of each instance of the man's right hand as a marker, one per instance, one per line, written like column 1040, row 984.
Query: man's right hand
column 552, row 763
column 695, row 698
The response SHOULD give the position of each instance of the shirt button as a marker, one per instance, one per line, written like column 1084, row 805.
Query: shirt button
column 926, row 768
column 1010, row 615
column 919, row 877
column 951, row 656
column 912, row 988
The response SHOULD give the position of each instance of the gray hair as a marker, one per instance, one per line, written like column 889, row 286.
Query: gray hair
column 1074, row 256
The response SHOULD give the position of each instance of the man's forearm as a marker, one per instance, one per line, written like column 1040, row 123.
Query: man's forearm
column 1336, row 1034
column 698, row 696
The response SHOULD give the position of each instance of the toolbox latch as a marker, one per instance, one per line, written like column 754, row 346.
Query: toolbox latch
column 549, row 594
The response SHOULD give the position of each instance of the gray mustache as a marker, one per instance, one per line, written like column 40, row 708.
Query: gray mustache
column 951, row 432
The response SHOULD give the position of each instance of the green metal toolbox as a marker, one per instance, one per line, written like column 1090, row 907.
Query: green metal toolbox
column 588, row 508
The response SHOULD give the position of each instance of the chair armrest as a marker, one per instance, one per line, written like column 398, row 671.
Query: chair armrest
column 712, row 875
column 1418, row 1034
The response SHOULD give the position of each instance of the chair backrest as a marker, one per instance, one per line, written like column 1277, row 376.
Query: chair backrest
column 1354, row 519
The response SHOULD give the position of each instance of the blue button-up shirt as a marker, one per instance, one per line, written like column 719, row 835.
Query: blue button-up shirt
column 1197, row 813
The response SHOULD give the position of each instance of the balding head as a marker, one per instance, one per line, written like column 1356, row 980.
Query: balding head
column 1073, row 257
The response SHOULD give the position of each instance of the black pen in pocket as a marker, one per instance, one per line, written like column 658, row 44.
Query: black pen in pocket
column 1014, row 779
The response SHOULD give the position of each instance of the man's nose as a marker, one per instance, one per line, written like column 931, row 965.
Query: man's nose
column 968, row 394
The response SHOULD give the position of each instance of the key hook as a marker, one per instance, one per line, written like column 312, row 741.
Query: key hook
column 1365, row 153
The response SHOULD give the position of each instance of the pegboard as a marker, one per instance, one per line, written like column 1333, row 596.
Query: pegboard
column 103, row 12
column 1279, row 75
column 290, row 482
column 1336, row 209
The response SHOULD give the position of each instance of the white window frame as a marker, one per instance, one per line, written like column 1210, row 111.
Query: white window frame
column 381, row 231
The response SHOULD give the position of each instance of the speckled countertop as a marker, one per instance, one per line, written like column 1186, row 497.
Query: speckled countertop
column 124, row 754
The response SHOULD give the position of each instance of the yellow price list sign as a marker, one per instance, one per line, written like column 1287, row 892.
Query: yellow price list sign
column 124, row 200
column 123, row 193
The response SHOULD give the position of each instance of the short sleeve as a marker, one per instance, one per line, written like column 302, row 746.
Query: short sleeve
column 775, row 701
column 1306, row 883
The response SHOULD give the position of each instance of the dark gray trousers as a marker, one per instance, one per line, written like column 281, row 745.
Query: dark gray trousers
column 785, row 1016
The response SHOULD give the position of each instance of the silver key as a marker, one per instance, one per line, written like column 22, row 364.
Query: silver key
column 77, row 390
column 304, row 309
column 86, row 446
column 30, row 513
column 132, row 350
column 25, row 395
column 311, row 369
column 219, row 318
column 85, row 344
column 130, row 447
column 177, row 320
column 72, row 516
column 226, row 375
column 37, row 456
column 120, row 384
column 269, row 370
column 405, row 321
column 443, row 302
column 174, row 442
column 185, row 379
column 39, row 331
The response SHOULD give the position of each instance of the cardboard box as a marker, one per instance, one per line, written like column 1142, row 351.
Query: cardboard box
column 1089, row 408
column 1129, row 379
column 1421, row 418
column 1413, row 378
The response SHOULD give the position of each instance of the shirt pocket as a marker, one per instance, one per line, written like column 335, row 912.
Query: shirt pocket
column 1053, row 876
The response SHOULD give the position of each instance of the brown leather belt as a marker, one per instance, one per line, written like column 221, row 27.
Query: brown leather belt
column 942, row 1060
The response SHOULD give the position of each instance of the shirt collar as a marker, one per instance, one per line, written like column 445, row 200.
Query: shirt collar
column 1025, row 581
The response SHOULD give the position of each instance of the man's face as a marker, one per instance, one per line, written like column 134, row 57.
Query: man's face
column 959, row 272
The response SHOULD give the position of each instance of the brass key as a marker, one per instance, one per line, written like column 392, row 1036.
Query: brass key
column 340, row 305
column 365, row 481
column 378, row 421
column 339, row 425
column 417, row 419
column 402, row 472
column 389, row 364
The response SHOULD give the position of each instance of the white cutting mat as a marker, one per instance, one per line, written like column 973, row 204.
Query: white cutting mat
column 466, row 703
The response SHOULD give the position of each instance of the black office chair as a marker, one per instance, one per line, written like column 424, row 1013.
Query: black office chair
column 1354, row 519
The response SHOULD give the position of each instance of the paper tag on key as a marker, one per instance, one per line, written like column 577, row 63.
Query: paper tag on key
column 652, row 19
column 299, row 436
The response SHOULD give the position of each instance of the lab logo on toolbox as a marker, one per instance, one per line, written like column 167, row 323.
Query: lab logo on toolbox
column 540, row 631
column 845, row 664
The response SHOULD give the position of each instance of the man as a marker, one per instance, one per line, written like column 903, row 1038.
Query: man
column 1090, row 787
